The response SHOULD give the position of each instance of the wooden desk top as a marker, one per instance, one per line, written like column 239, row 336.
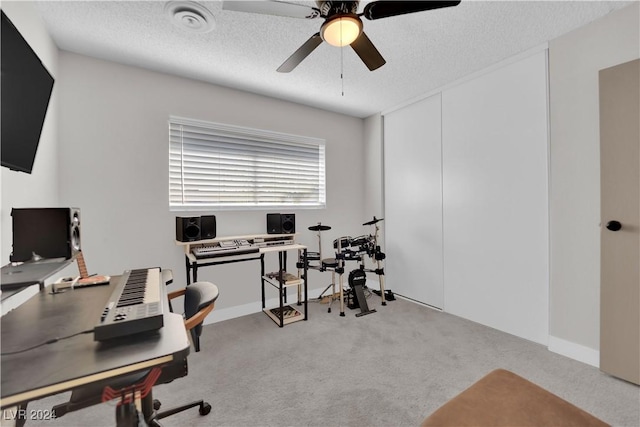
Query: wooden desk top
column 80, row 360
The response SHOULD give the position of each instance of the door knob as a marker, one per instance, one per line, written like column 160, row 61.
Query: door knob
column 614, row 225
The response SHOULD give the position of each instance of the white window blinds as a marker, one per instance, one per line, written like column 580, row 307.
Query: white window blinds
column 212, row 165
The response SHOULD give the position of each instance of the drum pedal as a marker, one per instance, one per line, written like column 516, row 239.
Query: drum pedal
column 357, row 282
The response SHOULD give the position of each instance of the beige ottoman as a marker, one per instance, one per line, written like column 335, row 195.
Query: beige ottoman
column 502, row 398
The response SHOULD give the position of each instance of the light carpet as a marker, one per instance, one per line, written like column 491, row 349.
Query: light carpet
column 390, row 368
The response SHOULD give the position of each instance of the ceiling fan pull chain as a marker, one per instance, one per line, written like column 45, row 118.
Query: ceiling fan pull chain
column 341, row 63
column 342, row 69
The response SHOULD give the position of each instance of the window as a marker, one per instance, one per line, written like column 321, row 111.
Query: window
column 216, row 166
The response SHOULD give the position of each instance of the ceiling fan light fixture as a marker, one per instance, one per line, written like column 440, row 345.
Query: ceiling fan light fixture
column 341, row 30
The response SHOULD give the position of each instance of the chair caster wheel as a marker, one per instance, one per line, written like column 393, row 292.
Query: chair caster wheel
column 205, row 408
column 329, row 310
column 156, row 404
column 384, row 303
column 342, row 314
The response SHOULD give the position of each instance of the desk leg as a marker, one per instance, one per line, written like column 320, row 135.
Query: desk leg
column 282, row 289
column 300, row 275
column 195, row 272
column 306, row 298
column 188, row 265
column 262, row 279
column 283, row 267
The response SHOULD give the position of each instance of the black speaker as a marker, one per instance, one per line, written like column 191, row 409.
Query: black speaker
column 288, row 223
column 208, row 227
column 45, row 232
column 274, row 224
column 187, row 229
column 281, row 223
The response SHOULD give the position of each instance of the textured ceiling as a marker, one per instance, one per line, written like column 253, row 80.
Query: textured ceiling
column 424, row 51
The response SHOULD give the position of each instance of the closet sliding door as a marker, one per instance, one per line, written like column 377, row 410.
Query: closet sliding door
column 495, row 187
column 466, row 199
column 413, row 201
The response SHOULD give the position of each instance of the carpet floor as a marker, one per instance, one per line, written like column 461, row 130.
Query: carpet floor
column 390, row 368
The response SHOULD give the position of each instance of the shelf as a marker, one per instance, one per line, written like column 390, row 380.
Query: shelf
column 291, row 314
column 289, row 279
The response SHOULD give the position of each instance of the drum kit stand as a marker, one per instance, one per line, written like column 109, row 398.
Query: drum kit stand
column 350, row 249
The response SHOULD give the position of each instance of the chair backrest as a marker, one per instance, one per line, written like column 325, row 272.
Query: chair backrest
column 199, row 299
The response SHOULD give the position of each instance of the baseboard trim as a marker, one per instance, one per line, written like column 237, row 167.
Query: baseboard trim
column 219, row 315
column 574, row 351
column 419, row 303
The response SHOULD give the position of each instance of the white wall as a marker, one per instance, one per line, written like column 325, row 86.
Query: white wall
column 574, row 62
column 40, row 188
column 114, row 166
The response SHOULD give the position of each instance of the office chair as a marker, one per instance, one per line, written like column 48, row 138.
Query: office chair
column 199, row 301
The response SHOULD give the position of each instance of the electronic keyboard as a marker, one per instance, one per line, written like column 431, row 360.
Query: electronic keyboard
column 225, row 248
column 135, row 305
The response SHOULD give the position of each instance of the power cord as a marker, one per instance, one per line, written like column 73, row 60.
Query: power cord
column 51, row 341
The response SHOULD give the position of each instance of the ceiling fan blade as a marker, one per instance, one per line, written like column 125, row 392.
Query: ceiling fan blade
column 368, row 52
column 299, row 55
column 277, row 8
column 385, row 9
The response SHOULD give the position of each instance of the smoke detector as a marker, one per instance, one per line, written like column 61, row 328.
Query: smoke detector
column 190, row 16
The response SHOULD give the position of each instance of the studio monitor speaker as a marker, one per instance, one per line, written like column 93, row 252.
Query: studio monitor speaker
column 288, row 223
column 45, row 232
column 274, row 225
column 281, row 223
column 208, row 227
column 188, row 229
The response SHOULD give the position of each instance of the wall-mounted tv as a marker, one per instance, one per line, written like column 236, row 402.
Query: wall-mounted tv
column 26, row 87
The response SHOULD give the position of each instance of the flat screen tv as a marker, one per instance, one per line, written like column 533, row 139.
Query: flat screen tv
column 26, row 87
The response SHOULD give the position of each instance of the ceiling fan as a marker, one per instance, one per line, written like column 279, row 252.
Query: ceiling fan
column 342, row 24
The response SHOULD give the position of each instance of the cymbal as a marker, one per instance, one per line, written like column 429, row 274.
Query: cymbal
column 319, row 227
column 375, row 221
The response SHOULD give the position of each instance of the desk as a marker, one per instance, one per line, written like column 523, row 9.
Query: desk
column 262, row 244
column 76, row 361
column 21, row 275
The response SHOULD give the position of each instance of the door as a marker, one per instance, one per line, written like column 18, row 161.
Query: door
column 413, row 201
column 495, row 199
column 620, row 216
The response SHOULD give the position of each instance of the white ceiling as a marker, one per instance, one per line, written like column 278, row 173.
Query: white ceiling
column 424, row 51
